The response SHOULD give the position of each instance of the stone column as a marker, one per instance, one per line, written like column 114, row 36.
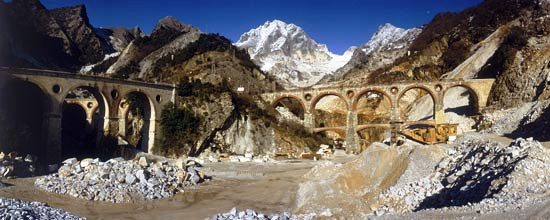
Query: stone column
column 309, row 121
column 439, row 112
column 154, row 125
column 395, row 128
column 51, row 131
column 351, row 134
column 121, row 125
column 395, row 120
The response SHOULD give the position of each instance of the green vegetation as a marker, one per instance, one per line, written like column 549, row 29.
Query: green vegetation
column 187, row 88
column 205, row 43
column 178, row 130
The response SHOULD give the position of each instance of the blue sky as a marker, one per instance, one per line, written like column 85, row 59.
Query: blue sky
column 337, row 23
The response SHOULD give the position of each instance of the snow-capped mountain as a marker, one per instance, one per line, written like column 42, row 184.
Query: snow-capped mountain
column 389, row 37
column 290, row 55
column 386, row 44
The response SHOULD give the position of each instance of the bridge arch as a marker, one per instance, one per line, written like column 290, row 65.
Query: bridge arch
column 473, row 94
column 85, row 113
column 402, row 93
column 319, row 96
column 103, row 102
column 140, row 129
column 23, row 106
column 333, row 114
column 303, row 109
column 371, row 109
column 337, row 130
column 364, row 92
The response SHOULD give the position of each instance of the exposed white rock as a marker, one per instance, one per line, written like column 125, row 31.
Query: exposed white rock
column 118, row 180
column 290, row 54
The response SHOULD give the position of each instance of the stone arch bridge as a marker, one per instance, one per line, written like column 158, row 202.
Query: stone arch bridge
column 108, row 92
column 308, row 99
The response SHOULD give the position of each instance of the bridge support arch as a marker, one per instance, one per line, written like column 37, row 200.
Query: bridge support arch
column 393, row 92
column 108, row 92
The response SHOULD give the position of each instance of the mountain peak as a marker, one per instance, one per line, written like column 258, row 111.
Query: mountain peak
column 389, row 36
column 172, row 23
column 289, row 53
column 386, row 26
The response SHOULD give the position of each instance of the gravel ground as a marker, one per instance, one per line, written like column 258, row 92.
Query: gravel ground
column 235, row 214
column 18, row 209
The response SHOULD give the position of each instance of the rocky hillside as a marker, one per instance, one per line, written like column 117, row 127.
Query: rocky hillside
column 506, row 40
column 288, row 53
column 387, row 44
column 63, row 38
column 118, row 38
column 208, row 70
column 175, row 51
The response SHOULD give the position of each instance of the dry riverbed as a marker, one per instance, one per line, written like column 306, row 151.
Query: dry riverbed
column 267, row 187
column 264, row 187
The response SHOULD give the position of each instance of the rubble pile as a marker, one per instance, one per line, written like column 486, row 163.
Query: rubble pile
column 235, row 214
column 213, row 157
column 118, row 180
column 17, row 209
column 479, row 174
column 509, row 120
column 12, row 165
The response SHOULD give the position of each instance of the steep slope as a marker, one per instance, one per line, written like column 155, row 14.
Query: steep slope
column 118, row 38
column 384, row 47
column 75, row 23
column 62, row 38
column 127, row 64
column 506, row 40
column 32, row 37
column 450, row 38
column 286, row 52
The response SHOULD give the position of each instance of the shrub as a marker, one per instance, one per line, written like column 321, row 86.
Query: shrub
column 178, row 130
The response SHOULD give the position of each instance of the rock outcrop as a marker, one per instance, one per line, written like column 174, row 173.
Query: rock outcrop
column 118, row 38
column 62, row 38
column 349, row 189
column 75, row 23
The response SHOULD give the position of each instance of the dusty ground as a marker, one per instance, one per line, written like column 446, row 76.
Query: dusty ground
column 268, row 187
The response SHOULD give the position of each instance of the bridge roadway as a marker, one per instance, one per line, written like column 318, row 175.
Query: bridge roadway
column 110, row 95
column 308, row 99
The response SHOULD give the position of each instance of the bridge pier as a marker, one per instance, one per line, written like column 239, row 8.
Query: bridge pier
column 309, row 121
column 439, row 111
column 51, row 131
column 352, row 139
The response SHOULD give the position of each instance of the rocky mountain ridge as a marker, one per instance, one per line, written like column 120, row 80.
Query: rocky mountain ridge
column 385, row 45
column 61, row 38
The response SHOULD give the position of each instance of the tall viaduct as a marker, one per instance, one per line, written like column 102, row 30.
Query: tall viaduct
column 110, row 102
column 308, row 99
column 110, row 95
